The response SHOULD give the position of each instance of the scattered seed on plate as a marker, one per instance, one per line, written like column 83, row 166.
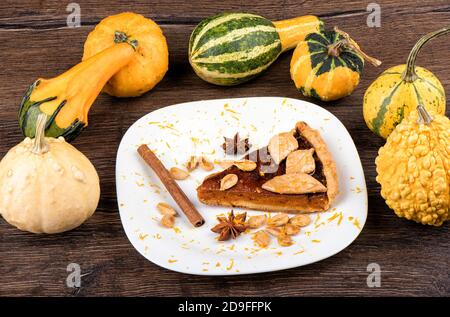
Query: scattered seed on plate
column 192, row 163
column 224, row 163
column 275, row 231
column 278, row 220
column 178, row 173
column 255, row 222
column 205, row 164
column 284, row 240
column 245, row 165
column 262, row 238
column 300, row 220
column 168, row 221
column 166, row 209
column 291, row 230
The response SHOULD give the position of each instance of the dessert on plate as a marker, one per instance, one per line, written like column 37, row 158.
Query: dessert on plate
column 294, row 173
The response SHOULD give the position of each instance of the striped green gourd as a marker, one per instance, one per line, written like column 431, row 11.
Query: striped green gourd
column 232, row 48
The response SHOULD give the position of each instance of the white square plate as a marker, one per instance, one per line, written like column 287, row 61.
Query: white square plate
column 197, row 128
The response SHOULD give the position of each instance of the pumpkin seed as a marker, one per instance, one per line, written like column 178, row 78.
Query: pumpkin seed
column 192, row 163
column 262, row 238
column 278, row 220
column 228, row 181
column 224, row 163
column 166, row 209
column 291, row 230
column 300, row 220
column 168, row 221
column 178, row 173
column 284, row 240
column 205, row 164
column 275, row 231
column 255, row 222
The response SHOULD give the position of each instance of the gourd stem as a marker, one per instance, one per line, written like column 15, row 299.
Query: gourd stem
column 335, row 48
column 40, row 145
column 410, row 72
column 121, row 37
column 424, row 116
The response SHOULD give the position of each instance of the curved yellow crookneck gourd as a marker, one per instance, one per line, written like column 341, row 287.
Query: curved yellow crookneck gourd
column 67, row 98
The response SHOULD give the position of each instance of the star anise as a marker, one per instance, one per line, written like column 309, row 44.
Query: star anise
column 236, row 145
column 230, row 227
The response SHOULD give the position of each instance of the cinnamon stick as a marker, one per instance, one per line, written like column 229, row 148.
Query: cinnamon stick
column 172, row 187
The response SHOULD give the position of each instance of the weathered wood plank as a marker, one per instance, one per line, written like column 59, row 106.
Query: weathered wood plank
column 53, row 13
column 414, row 259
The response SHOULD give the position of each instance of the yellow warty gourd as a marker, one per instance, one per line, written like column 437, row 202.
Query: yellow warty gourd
column 414, row 168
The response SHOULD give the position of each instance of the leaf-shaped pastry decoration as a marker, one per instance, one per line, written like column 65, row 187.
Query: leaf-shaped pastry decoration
column 295, row 183
column 281, row 145
column 301, row 161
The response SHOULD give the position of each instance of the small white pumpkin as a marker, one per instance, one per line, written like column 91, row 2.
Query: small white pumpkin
column 47, row 185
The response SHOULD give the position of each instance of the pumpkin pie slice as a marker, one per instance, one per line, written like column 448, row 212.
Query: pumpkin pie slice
column 294, row 173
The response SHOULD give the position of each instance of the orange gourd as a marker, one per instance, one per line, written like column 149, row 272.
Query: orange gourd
column 148, row 66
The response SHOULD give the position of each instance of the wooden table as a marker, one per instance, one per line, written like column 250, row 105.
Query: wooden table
column 35, row 42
